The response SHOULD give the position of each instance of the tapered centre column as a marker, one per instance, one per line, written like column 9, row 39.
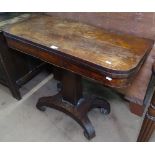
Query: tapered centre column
column 70, row 100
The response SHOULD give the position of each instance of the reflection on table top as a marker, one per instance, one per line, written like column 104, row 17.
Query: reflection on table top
column 113, row 51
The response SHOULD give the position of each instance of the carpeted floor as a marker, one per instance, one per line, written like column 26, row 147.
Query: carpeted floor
column 21, row 121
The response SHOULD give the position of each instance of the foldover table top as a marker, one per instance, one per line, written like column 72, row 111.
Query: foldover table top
column 111, row 52
column 82, row 50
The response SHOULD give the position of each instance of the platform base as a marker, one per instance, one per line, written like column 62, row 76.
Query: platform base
column 77, row 112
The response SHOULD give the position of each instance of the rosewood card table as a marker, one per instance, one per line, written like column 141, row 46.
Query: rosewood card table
column 81, row 50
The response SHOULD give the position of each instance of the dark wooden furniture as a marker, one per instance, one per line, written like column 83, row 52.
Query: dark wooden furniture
column 148, row 124
column 136, row 23
column 15, row 68
column 81, row 51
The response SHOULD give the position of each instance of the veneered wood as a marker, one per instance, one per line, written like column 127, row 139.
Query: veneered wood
column 136, row 23
column 71, row 101
column 73, row 91
column 67, row 63
column 148, row 125
column 86, row 50
column 111, row 52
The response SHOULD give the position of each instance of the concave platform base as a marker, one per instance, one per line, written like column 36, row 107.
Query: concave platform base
column 79, row 112
column 70, row 100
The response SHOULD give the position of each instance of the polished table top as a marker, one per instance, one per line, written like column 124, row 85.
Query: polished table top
column 109, row 58
column 113, row 54
column 10, row 18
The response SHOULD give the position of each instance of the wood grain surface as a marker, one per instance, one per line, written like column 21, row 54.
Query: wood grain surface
column 141, row 24
column 112, row 51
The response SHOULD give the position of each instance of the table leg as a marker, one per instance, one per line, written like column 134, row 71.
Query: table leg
column 148, row 125
column 70, row 100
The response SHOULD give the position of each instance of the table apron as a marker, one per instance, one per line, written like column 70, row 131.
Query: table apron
column 68, row 64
